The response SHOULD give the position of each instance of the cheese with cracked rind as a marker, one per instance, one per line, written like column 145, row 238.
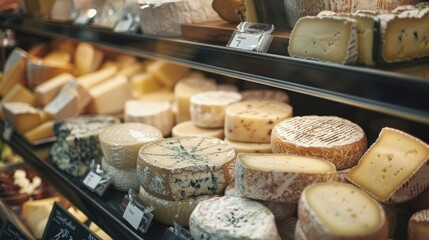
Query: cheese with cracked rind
column 232, row 218
column 177, row 168
column 188, row 128
column 122, row 179
column 394, row 169
column 278, row 177
column 243, row 147
column 335, row 139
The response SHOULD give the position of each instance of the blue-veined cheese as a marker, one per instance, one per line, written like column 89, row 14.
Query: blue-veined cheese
column 232, row 218
column 177, row 168
column 122, row 179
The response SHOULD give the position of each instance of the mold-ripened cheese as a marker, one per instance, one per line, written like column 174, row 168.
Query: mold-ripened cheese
column 39, row 71
column 418, row 225
column 14, row 71
column 121, row 143
column 394, row 169
column 103, row 101
column 47, row 91
column 242, row 147
column 265, row 95
column 168, row 211
column 208, row 108
column 232, row 218
column 188, row 128
column 177, row 168
column 154, row 113
column 186, row 88
column 279, row 178
column 22, row 116
column 43, row 131
column 169, row 74
column 253, row 120
column 340, row 211
column 122, row 179
column 92, row 79
column 331, row 138
column 325, row 38
column 87, row 58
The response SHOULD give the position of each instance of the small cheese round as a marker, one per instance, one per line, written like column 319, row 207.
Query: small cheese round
column 331, row 138
column 242, row 147
column 188, row 128
column 253, row 120
column 177, row 168
column 121, row 179
column 208, row 108
column 121, row 143
column 232, row 218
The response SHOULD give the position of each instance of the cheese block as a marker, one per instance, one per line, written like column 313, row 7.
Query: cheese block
column 22, row 116
column 166, row 18
column 394, row 169
column 41, row 132
column 14, row 71
column 36, row 214
column 144, row 83
column 418, row 225
column 280, row 210
column 122, row 179
column 242, row 147
column 253, row 120
column 90, row 80
column 154, row 113
column 168, row 73
column 130, row 70
column 125, row 60
column 207, row 109
column 185, row 89
column 165, row 95
column 404, row 36
column 331, row 138
column 102, row 101
column 325, row 38
column 48, row 90
column 228, row 10
column 121, row 143
column 168, row 211
column 39, row 71
column 19, row 93
column 265, row 95
column 232, row 218
column 65, row 46
column 87, row 59
column 58, row 56
column 188, row 128
column 77, row 214
column 177, row 168
column 77, row 142
column 340, row 211
column 279, row 178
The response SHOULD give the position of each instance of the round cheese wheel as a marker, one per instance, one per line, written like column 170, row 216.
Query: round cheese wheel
column 242, row 147
column 121, row 179
column 188, row 128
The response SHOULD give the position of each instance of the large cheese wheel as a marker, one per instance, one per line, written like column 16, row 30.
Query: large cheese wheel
column 279, row 178
column 177, row 168
column 340, row 211
column 121, row 143
column 394, row 169
column 232, row 218
column 331, row 138
column 122, row 179
column 188, row 128
column 253, row 120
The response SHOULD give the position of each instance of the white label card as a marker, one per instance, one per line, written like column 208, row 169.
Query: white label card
column 133, row 215
column 245, row 41
column 92, row 180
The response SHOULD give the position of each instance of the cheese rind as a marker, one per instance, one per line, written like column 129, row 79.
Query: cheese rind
column 232, row 218
column 418, row 225
column 169, row 74
column 242, row 147
column 122, row 179
column 186, row 129
column 394, row 169
column 177, row 168
column 279, row 178
column 331, row 138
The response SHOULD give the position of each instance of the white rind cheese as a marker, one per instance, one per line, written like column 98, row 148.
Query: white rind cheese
column 122, row 179
column 188, row 128
column 242, row 147
column 325, row 38
column 121, row 143
column 253, row 120
column 340, row 211
column 232, row 218
column 331, row 138
column 177, row 168
column 394, row 169
column 279, row 178
column 418, row 225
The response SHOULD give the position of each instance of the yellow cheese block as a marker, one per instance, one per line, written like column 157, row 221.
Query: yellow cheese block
column 36, row 214
column 39, row 71
column 58, row 56
column 167, row 73
column 43, row 131
column 189, row 129
column 47, row 91
column 22, row 116
column 19, row 93
column 87, row 58
column 130, row 70
column 14, row 71
column 125, row 60
column 92, row 79
column 144, row 83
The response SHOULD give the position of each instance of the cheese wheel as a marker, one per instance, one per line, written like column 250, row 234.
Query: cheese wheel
column 232, row 218
column 121, row 143
column 253, row 120
column 265, row 95
column 340, row 211
column 122, row 179
column 154, row 113
column 168, row 211
column 279, row 178
column 242, row 147
column 208, row 108
column 177, row 168
column 418, row 225
column 188, row 128
column 394, row 169
column 331, row 138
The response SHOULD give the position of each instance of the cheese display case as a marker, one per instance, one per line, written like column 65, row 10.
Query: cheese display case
column 372, row 97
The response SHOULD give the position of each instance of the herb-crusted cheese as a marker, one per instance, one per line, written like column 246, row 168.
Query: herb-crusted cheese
column 177, row 168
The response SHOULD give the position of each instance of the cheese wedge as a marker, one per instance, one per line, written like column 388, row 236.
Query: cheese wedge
column 39, row 71
column 43, row 131
column 144, row 83
column 87, row 58
column 22, row 116
column 130, row 70
column 14, row 71
column 47, row 91
column 19, row 93
column 92, row 79
column 36, row 214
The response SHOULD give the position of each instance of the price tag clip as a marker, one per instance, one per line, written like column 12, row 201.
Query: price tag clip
column 96, row 179
column 252, row 37
column 137, row 214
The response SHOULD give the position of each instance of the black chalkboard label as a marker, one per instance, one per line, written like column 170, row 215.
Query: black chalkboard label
column 10, row 232
column 62, row 225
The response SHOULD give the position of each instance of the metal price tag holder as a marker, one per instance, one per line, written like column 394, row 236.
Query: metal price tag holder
column 250, row 36
column 96, row 179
